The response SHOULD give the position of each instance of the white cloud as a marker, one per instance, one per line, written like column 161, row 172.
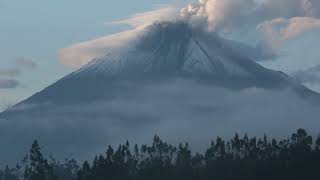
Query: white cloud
column 236, row 14
column 299, row 25
column 146, row 18
column 275, row 26
column 80, row 54
column 220, row 14
column 279, row 31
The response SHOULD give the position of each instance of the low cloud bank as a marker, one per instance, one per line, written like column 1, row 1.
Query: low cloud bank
column 181, row 110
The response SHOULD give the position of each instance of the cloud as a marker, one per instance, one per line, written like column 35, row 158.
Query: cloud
column 25, row 63
column 9, row 72
column 80, row 54
column 277, row 32
column 147, row 18
column 8, row 75
column 231, row 15
column 20, row 64
column 309, row 77
column 221, row 14
column 278, row 21
column 8, row 83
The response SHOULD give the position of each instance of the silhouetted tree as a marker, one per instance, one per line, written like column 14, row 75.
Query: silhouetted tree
column 38, row 169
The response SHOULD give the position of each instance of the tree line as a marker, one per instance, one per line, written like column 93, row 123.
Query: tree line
column 240, row 158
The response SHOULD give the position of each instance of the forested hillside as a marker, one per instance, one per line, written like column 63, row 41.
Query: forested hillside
column 238, row 158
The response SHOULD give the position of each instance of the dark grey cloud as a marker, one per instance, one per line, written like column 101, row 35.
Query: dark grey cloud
column 8, row 83
column 25, row 63
column 8, row 76
column 13, row 72
column 19, row 65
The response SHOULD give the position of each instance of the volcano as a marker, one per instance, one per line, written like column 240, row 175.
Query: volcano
column 166, row 51
column 176, row 81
